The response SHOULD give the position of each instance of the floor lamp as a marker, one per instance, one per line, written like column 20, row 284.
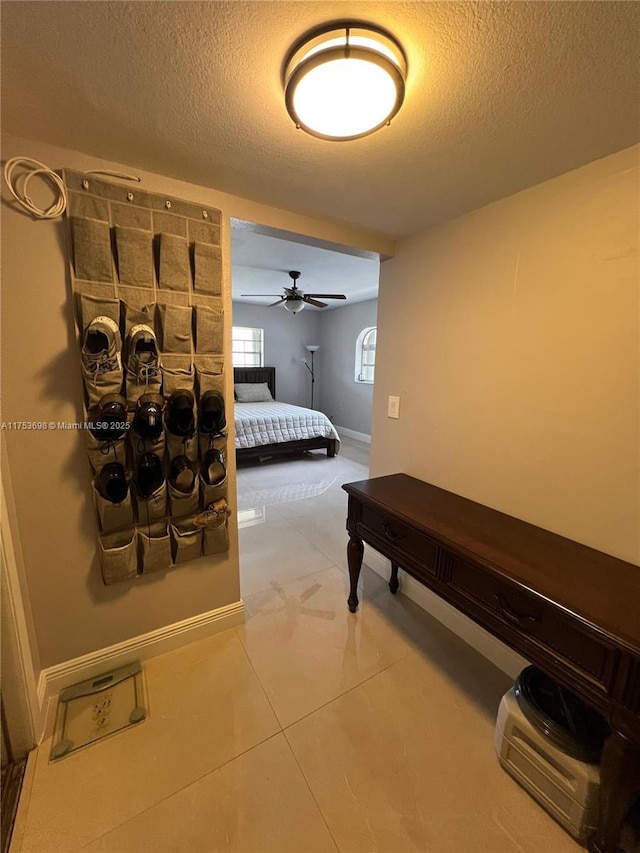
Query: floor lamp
column 312, row 348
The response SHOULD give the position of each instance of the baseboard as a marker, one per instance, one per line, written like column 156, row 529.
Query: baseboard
column 482, row 641
column 145, row 646
column 351, row 433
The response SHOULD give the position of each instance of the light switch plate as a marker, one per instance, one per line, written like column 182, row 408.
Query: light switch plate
column 393, row 410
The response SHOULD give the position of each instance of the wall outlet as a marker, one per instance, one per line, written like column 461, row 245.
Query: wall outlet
column 393, row 410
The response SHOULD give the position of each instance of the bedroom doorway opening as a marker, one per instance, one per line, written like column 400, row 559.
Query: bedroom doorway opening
column 312, row 366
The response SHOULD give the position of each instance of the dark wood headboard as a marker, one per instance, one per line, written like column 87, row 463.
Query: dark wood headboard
column 256, row 374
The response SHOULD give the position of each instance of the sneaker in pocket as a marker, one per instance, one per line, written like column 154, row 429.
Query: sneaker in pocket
column 108, row 420
column 101, row 359
column 213, row 470
column 148, row 417
column 149, row 474
column 142, row 362
column 211, row 416
column 182, row 474
column 180, row 416
column 112, row 483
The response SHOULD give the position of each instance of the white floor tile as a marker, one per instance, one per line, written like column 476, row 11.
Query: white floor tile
column 388, row 718
column 257, row 803
column 206, row 707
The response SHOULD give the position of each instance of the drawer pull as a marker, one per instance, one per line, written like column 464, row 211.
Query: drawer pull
column 511, row 614
column 390, row 534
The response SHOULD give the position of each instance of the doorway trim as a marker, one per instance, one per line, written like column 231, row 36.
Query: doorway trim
column 24, row 718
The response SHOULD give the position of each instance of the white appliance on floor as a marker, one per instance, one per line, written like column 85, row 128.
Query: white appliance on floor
column 567, row 788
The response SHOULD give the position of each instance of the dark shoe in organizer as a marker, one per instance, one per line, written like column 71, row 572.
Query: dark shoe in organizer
column 149, row 474
column 213, row 469
column 211, row 416
column 109, row 418
column 180, row 417
column 182, row 474
column 148, row 417
column 112, row 483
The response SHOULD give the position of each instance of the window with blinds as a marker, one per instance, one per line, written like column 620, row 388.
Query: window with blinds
column 247, row 347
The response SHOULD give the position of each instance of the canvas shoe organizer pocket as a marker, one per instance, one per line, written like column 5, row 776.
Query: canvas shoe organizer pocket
column 154, row 507
column 216, row 539
column 210, row 373
column 143, row 382
column 99, row 381
column 186, row 541
column 134, row 258
column 102, row 452
column 212, row 493
column 175, row 325
column 91, row 249
column 113, row 516
column 134, row 316
column 155, row 547
column 178, row 445
column 177, row 374
column 207, row 262
column 141, row 445
column 209, row 329
column 99, row 384
column 217, row 442
column 136, row 387
column 118, row 556
column 90, row 307
column 174, row 271
column 181, row 504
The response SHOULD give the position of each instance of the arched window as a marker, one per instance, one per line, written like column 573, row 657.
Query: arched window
column 366, row 355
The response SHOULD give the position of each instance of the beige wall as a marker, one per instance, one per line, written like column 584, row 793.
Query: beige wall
column 511, row 336
column 47, row 472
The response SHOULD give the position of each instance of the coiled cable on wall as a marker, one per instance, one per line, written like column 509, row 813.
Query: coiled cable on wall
column 18, row 185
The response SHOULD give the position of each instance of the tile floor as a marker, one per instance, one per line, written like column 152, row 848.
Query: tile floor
column 308, row 728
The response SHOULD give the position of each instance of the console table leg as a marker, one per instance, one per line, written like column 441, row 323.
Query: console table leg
column 355, row 550
column 619, row 783
column 393, row 581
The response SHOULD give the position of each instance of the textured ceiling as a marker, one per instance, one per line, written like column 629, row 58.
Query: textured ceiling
column 500, row 96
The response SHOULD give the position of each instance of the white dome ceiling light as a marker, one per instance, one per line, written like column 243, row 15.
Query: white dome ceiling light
column 345, row 81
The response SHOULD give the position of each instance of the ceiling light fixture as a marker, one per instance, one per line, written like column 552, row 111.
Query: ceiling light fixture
column 294, row 304
column 344, row 81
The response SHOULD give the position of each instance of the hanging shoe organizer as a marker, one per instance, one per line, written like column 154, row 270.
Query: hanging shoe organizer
column 146, row 273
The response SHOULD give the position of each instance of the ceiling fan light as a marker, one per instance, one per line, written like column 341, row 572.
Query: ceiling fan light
column 345, row 82
column 294, row 305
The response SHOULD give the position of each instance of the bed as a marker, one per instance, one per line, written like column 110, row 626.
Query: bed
column 274, row 428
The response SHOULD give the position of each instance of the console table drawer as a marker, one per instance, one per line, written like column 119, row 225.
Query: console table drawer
column 534, row 618
column 400, row 537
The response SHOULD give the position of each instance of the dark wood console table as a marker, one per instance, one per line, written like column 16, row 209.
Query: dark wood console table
column 572, row 611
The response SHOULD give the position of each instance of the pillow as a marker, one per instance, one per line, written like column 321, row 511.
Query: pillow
column 253, row 392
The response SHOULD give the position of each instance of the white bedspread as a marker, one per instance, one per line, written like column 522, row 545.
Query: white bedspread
column 273, row 423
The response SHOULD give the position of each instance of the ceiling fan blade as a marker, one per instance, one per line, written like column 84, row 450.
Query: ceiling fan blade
column 279, row 302
column 272, row 295
column 328, row 295
column 307, row 298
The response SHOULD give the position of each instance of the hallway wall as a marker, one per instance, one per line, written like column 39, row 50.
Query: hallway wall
column 511, row 337
column 73, row 612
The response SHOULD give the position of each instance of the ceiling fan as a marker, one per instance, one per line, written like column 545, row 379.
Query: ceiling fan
column 294, row 300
